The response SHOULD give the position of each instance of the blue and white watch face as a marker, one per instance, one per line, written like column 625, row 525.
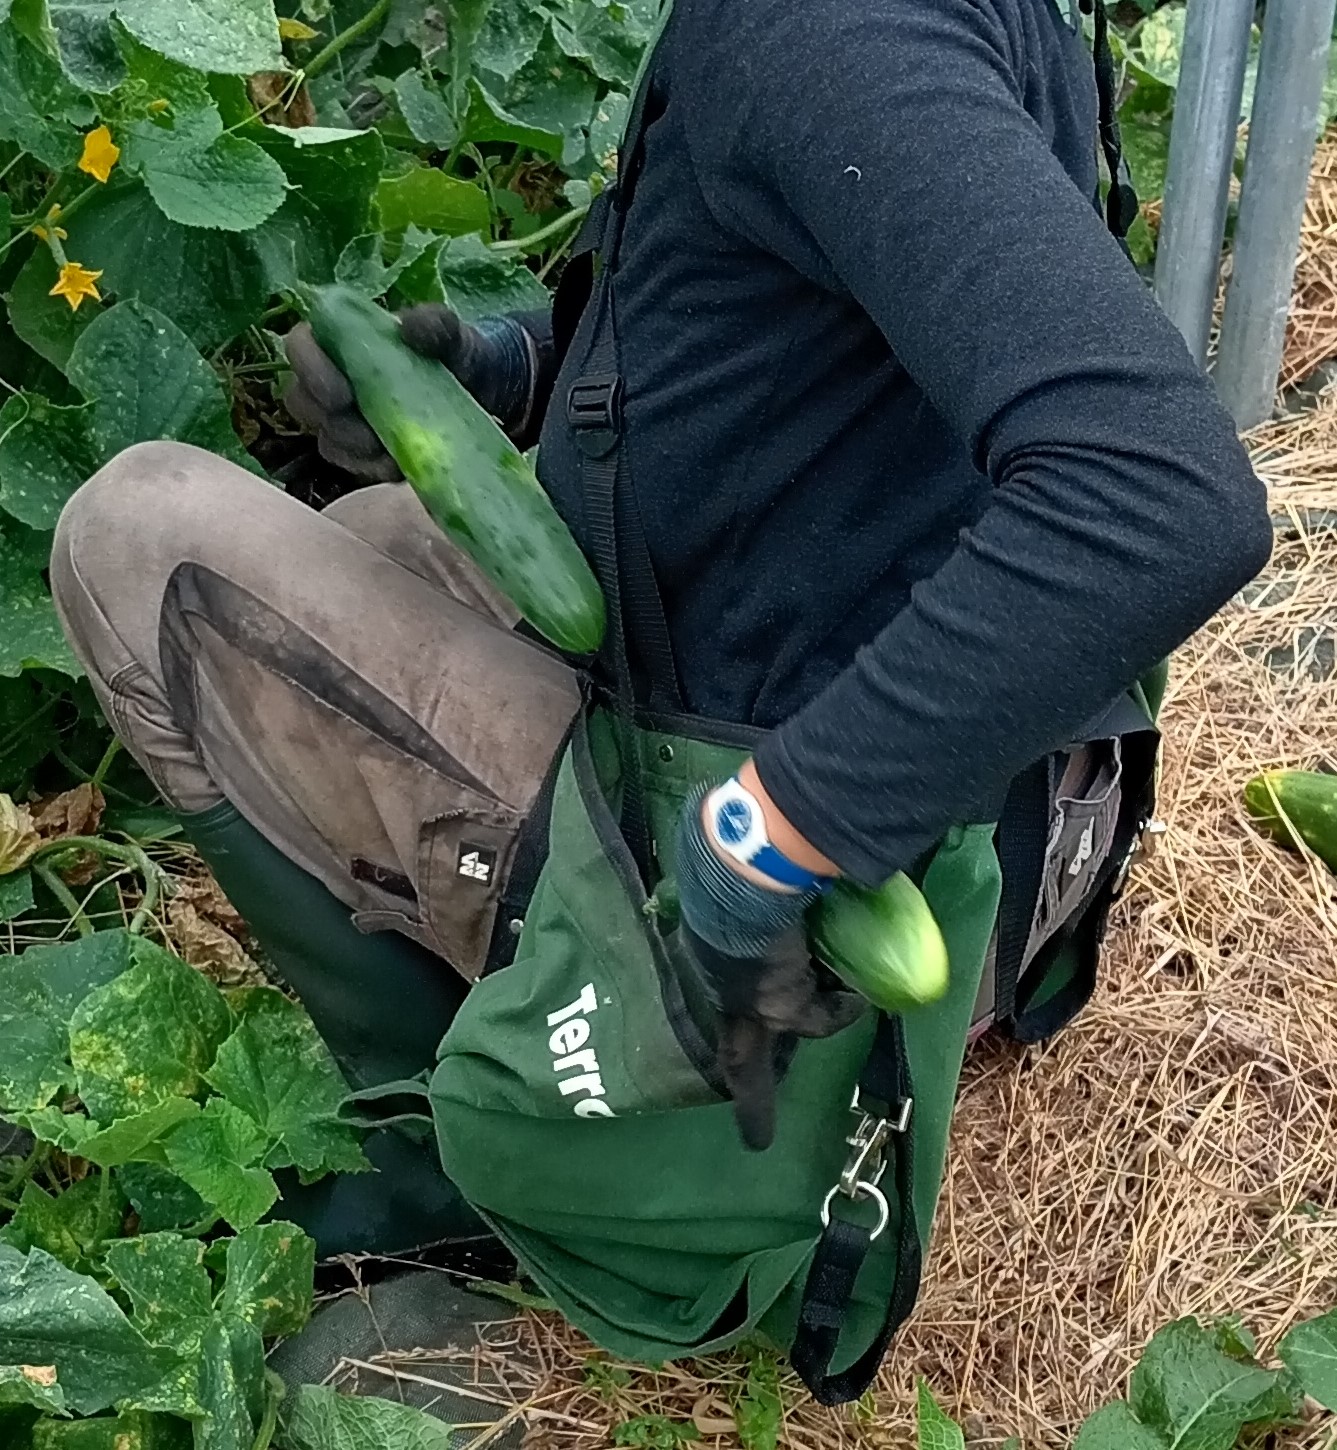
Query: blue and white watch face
column 733, row 822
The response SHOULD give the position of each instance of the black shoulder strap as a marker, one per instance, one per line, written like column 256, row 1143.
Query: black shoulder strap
column 882, row 1139
column 639, row 647
column 1121, row 204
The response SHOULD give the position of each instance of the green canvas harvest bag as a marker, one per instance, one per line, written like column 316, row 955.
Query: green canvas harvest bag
column 576, row 1101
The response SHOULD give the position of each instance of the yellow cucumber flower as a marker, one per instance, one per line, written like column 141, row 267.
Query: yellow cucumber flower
column 100, row 154
column 75, row 283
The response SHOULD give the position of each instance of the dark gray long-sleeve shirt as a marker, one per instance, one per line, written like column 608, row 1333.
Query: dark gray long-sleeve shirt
column 927, row 477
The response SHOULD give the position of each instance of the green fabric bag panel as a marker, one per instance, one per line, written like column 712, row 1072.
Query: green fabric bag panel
column 629, row 1198
column 1152, row 687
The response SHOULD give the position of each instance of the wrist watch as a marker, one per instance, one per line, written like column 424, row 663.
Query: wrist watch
column 738, row 827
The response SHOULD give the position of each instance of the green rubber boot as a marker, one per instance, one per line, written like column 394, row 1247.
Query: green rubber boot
column 382, row 1003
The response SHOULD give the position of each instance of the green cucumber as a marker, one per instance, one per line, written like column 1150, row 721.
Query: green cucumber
column 885, row 944
column 1307, row 800
column 477, row 486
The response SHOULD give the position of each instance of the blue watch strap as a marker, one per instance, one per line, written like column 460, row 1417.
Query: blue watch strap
column 739, row 827
column 775, row 864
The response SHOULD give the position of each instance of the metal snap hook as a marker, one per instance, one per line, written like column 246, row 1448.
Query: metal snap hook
column 862, row 1189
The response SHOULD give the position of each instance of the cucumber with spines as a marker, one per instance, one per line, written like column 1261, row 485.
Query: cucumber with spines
column 477, row 486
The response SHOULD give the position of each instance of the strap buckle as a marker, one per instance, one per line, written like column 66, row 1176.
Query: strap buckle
column 867, row 1161
column 594, row 412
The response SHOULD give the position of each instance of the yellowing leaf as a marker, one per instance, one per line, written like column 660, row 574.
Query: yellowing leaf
column 290, row 29
column 100, row 154
column 18, row 838
column 75, row 283
column 156, row 108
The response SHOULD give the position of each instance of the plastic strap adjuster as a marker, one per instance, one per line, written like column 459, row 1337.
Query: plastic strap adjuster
column 594, row 411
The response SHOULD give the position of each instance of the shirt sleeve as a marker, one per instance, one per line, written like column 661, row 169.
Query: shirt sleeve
column 1124, row 510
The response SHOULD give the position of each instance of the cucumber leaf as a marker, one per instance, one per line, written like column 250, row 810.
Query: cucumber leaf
column 85, row 44
column 232, row 1385
column 30, row 1384
column 235, row 37
column 35, row 101
column 50, row 1315
column 201, row 176
column 488, row 120
column 270, row 1276
column 433, row 201
column 30, row 633
column 147, row 1036
column 167, row 1284
column 319, row 1418
column 276, row 1068
column 425, row 111
column 212, row 284
column 362, row 264
column 478, row 283
column 217, row 1153
column 334, row 171
column 15, row 894
column 159, row 1198
column 68, row 1225
column 510, row 36
column 46, row 452
column 138, row 1135
column 145, row 380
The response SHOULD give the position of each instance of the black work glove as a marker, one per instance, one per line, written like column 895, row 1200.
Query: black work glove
column 750, row 946
column 496, row 359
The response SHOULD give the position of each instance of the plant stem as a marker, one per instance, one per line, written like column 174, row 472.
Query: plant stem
column 104, row 765
column 556, row 256
column 26, row 1169
column 489, row 190
column 10, row 165
column 553, row 228
column 345, row 38
column 128, row 854
column 275, row 1389
column 102, row 1228
column 79, row 773
column 35, row 218
column 51, row 880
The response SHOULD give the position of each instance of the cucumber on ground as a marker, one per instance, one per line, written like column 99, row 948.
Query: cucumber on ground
column 475, row 483
column 1308, row 802
column 885, row 944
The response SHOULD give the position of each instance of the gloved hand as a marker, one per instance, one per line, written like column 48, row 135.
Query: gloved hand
column 750, row 946
column 495, row 359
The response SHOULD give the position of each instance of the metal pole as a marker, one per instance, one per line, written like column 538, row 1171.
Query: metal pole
column 1202, row 151
column 1282, row 136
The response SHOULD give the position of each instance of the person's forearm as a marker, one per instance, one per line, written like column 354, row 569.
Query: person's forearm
column 1059, row 599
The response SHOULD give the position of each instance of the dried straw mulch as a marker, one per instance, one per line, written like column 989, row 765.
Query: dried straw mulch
column 1311, row 333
